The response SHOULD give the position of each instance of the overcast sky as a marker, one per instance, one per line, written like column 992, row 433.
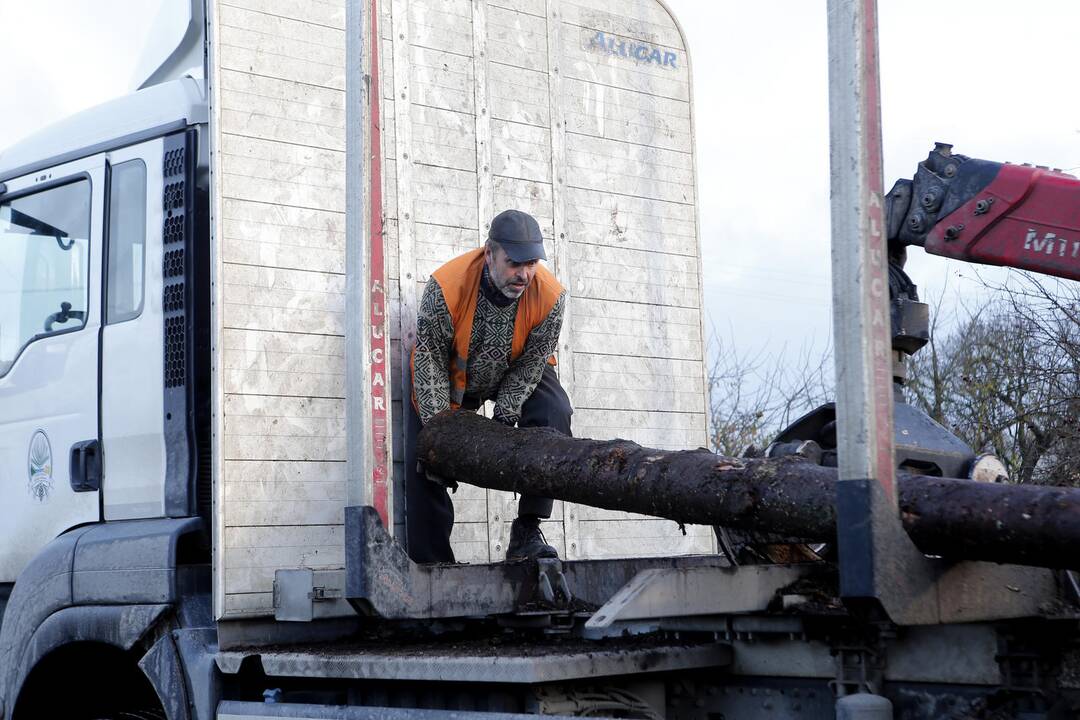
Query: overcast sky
column 997, row 79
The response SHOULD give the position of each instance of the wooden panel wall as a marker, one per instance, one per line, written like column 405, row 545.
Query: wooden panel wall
column 279, row 152
column 634, row 257
column 598, row 147
column 486, row 105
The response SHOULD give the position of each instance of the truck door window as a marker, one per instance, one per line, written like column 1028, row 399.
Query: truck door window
column 127, row 241
column 44, row 266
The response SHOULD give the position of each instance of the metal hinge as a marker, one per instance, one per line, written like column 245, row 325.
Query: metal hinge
column 302, row 595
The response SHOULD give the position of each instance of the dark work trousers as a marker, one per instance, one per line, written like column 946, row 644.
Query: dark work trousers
column 429, row 511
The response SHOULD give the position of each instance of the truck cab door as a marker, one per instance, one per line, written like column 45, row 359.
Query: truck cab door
column 51, row 237
column 132, row 402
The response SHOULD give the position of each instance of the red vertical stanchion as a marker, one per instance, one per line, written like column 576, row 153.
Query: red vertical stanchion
column 378, row 347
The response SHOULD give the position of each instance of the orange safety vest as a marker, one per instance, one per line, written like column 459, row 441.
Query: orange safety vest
column 459, row 281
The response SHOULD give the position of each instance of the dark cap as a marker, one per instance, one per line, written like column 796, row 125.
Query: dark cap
column 518, row 234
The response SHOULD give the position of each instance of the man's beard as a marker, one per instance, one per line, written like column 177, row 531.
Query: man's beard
column 507, row 289
column 511, row 292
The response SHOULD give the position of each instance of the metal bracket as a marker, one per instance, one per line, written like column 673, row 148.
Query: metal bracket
column 681, row 592
column 859, row 669
column 303, row 594
column 382, row 581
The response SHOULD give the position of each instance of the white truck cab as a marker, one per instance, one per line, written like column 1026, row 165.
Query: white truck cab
column 175, row 284
column 89, row 288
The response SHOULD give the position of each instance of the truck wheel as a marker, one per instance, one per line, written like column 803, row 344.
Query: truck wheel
column 100, row 682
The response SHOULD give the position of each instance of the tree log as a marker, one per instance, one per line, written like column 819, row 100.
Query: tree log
column 959, row 519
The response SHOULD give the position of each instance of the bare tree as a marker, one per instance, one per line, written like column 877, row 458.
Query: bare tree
column 754, row 397
column 1006, row 379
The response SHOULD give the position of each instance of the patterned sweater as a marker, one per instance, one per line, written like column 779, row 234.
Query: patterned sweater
column 491, row 374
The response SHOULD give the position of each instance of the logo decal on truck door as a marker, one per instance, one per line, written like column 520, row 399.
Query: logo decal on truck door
column 40, row 466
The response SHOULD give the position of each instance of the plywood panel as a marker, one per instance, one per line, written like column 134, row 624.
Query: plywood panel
column 629, row 329
column 280, row 48
column 445, row 196
column 330, row 13
column 286, row 493
column 530, row 7
column 386, row 62
column 442, row 79
column 240, row 605
column 268, row 172
column 627, row 222
column 267, row 427
column 390, row 190
column 393, row 261
column 534, row 198
column 664, row 430
column 435, row 244
column 444, row 138
column 624, row 168
column 635, row 276
column 470, row 542
column 275, row 363
column 253, row 554
column 254, row 472
column 260, row 298
column 463, row 138
column 289, row 112
column 517, row 39
column 259, row 157
column 618, row 114
column 252, row 578
column 282, row 237
column 316, row 536
column 445, row 25
column 519, row 95
column 583, row 59
column 279, row 511
column 643, row 19
column 633, row 383
column 643, row 538
column 521, row 151
column 272, row 33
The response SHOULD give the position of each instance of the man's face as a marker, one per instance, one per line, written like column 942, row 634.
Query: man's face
column 511, row 278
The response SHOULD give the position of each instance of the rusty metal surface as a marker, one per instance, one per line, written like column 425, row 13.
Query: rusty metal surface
column 236, row 710
column 382, row 581
column 480, row 661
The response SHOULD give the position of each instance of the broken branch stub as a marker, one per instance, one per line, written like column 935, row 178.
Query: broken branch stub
column 958, row 519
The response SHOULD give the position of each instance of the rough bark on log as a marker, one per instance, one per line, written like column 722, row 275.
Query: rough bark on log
column 961, row 519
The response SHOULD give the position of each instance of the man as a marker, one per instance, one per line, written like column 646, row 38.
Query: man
column 487, row 328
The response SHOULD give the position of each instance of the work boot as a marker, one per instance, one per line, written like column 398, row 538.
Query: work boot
column 528, row 541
